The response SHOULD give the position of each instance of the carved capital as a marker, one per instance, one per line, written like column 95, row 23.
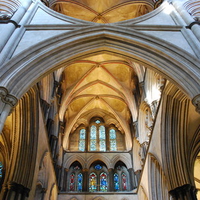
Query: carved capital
column 196, row 103
column 7, row 98
column 10, row 99
column 3, row 92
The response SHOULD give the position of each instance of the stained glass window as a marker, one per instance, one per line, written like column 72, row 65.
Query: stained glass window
column 103, row 182
column 72, row 182
column 97, row 121
column 80, row 182
column 98, row 167
column 124, row 184
column 82, row 137
column 93, row 137
column 116, row 182
column 102, row 138
column 113, row 142
column 93, row 182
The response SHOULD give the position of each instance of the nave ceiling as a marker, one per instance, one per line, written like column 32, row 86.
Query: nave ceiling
column 100, row 86
column 104, row 11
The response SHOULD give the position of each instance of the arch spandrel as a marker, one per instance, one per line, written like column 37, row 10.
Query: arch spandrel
column 29, row 67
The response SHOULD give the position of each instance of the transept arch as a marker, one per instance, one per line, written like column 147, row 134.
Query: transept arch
column 139, row 47
column 30, row 66
column 25, row 70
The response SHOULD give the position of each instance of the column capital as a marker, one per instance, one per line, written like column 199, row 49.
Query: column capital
column 85, row 170
column 110, row 169
column 196, row 102
column 186, row 190
column 8, row 98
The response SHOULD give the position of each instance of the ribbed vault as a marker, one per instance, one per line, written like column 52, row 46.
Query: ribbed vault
column 104, row 11
column 100, row 86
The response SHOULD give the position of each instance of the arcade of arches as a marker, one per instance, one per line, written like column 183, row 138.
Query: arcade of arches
column 99, row 100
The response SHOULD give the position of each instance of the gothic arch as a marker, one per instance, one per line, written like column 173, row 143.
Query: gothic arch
column 30, row 66
column 72, row 159
column 122, row 158
column 96, row 157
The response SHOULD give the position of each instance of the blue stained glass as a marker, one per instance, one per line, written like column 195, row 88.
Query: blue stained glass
column 97, row 121
column 113, row 145
column 98, row 167
column 93, row 132
column 82, row 133
column 93, row 182
column 112, row 134
column 80, row 182
column 116, row 182
column 113, row 142
column 103, row 182
column 82, row 145
column 102, row 132
column 92, row 145
column 102, row 145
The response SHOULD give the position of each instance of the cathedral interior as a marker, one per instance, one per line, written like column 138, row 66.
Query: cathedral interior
column 100, row 100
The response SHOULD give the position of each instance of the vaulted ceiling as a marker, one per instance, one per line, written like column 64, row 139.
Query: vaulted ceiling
column 102, row 85
column 104, row 11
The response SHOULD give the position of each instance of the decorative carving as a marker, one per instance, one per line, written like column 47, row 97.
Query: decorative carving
column 196, row 103
column 5, row 16
column 10, row 99
column 7, row 98
column 154, row 106
column 3, row 92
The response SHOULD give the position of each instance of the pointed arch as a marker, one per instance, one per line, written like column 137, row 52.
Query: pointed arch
column 30, row 66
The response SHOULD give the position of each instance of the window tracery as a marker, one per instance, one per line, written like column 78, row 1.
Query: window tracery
column 75, row 177
column 97, row 137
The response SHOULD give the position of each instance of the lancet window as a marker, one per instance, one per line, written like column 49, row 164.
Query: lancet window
column 82, row 137
column 75, row 178
column 97, row 136
column 98, row 178
column 121, row 177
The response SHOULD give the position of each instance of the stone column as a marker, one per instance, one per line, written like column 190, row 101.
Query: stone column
column 7, row 102
column 65, row 179
column 107, row 139
column 132, row 178
column 188, row 19
column 85, row 180
column 185, row 192
column 111, row 179
column 14, row 191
